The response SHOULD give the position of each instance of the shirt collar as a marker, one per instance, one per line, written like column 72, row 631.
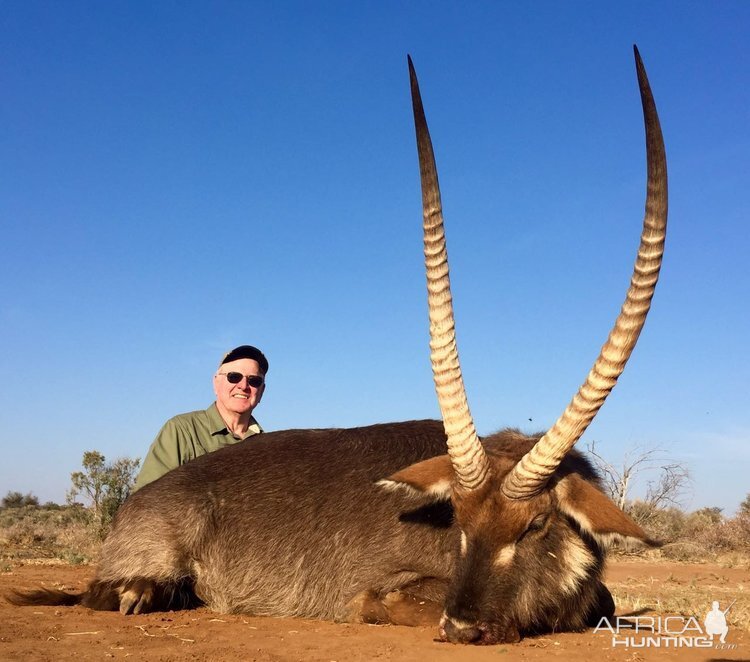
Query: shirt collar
column 217, row 425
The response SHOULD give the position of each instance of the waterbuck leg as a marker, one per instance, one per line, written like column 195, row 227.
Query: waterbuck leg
column 417, row 603
column 366, row 607
column 137, row 596
column 404, row 608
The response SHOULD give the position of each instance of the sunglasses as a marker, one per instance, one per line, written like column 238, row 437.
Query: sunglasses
column 256, row 381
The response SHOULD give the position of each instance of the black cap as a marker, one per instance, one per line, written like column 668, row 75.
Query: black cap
column 246, row 352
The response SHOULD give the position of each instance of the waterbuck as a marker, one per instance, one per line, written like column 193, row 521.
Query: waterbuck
column 495, row 539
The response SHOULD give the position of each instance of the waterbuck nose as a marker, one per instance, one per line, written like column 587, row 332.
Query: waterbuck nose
column 461, row 633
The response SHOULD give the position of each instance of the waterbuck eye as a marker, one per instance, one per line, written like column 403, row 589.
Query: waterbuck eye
column 537, row 523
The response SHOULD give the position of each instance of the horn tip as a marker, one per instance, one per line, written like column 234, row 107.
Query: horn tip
column 412, row 71
column 640, row 67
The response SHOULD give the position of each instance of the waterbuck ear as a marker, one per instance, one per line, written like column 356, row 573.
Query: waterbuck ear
column 596, row 514
column 433, row 477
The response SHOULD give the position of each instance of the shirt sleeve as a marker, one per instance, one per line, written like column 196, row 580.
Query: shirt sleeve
column 164, row 455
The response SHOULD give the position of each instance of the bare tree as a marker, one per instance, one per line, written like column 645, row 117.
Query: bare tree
column 669, row 488
column 672, row 478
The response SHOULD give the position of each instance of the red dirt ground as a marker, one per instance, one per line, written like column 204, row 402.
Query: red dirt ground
column 63, row 633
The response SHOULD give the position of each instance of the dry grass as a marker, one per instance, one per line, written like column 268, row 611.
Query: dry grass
column 684, row 552
column 686, row 591
column 57, row 532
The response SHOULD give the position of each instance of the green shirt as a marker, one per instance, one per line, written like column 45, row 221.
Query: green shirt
column 185, row 437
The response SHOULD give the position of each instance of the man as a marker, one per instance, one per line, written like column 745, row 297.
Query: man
column 239, row 383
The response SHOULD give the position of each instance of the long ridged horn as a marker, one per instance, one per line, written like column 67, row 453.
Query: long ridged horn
column 466, row 451
column 531, row 473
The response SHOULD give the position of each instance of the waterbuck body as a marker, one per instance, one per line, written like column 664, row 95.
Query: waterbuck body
column 305, row 523
column 496, row 538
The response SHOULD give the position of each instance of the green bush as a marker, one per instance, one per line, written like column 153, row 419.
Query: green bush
column 105, row 486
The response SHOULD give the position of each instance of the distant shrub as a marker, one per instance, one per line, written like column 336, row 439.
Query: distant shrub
column 745, row 506
column 702, row 520
column 18, row 500
column 691, row 537
column 664, row 524
column 726, row 535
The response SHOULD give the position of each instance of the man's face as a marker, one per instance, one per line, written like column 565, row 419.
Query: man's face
column 238, row 398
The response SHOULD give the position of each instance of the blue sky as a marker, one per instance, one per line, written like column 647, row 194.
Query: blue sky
column 183, row 177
